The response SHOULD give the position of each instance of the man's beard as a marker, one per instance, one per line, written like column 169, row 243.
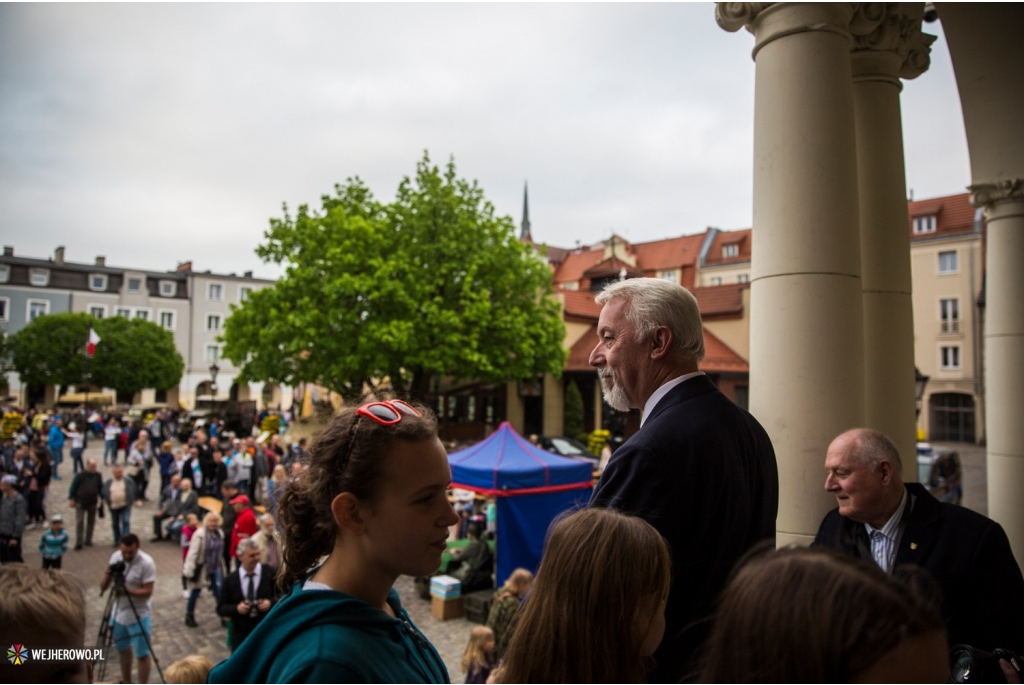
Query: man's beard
column 615, row 396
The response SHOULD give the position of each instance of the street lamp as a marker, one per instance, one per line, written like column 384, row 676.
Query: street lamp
column 920, row 380
column 213, row 384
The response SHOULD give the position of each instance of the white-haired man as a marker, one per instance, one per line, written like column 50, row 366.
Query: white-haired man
column 700, row 469
column 893, row 523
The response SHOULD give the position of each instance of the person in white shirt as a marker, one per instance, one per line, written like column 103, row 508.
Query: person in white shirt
column 131, row 619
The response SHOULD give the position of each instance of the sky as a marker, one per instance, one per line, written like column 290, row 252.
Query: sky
column 156, row 134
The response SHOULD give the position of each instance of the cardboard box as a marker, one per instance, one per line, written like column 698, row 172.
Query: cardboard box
column 445, row 587
column 446, row 609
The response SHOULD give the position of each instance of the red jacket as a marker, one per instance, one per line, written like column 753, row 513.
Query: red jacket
column 245, row 527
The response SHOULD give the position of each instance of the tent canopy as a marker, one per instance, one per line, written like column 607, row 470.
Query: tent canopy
column 505, row 464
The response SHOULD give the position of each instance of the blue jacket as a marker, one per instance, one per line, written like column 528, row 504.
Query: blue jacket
column 53, row 545
column 56, row 439
column 323, row 636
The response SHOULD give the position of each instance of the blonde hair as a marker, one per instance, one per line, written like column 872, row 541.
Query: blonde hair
column 516, row 585
column 475, row 654
column 279, row 469
column 212, row 516
column 40, row 602
column 596, row 593
column 192, row 669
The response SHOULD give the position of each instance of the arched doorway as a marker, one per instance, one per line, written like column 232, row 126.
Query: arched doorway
column 952, row 417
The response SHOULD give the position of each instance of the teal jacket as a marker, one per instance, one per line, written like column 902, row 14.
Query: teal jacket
column 323, row 636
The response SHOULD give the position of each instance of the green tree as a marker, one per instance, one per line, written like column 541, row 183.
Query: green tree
column 133, row 355
column 573, row 416
column 432, row 284
column 50, row 350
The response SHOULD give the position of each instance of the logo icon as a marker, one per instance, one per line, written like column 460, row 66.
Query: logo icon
column 17, row 654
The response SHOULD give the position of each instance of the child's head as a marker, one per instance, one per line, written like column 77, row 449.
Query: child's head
column 191, row 669
column 383, row 486
column 812, row 615
column 481, row 643
column 596, row 608
column 518, row 583
column 56, row 522
column 192, row 520
column 43, row 608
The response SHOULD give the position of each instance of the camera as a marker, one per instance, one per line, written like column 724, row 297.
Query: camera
column 117, row 574
column 970, row 665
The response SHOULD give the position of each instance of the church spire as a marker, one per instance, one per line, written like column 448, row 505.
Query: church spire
column 524, row 233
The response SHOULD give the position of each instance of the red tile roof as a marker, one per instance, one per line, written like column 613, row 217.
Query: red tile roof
column 575, row 263
column 671, row 253
column 719, row 300
column 580, row 303
column 744, row 238
column 612, row 265
column 579, row 353
column 953, row 214
column 718, row 357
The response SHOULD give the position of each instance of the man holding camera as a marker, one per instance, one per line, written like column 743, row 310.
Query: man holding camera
column 248, row 593
column 133, row 574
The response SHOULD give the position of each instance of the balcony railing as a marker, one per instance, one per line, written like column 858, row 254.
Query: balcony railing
column 949, row 327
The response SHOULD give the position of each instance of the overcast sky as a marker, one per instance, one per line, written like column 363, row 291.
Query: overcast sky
column 154, row 134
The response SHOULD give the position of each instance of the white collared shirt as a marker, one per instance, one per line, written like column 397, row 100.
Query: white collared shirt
column 883, row 540
column 257, row 572
column 656, row 396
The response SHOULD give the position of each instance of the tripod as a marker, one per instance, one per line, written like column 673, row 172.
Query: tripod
column 105, row 638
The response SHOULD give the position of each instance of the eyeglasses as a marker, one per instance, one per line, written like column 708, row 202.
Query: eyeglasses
column 385, row 412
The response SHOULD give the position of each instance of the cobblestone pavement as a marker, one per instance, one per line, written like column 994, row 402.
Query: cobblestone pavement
column 172, row 640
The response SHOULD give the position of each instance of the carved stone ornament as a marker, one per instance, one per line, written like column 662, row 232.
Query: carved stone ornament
column 732, row 16
column 893, row 30
column 1007, row 190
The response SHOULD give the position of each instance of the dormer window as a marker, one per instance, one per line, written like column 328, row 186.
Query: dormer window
column 5, row 273
column 730, row 250
column 135, row 285
column 39, row 277
column 168, row 288
column 98, row 282
column 924, row 224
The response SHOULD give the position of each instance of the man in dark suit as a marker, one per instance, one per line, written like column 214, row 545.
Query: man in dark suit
column 701, row 470
column 248, row 593
column 891, row 523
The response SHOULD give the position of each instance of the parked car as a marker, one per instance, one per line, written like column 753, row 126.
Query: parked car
column 568, row 447
column 939, row 470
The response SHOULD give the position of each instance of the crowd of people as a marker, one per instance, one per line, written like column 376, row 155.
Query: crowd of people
column 670, row 574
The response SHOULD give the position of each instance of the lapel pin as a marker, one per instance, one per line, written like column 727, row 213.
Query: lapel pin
column 913, row 545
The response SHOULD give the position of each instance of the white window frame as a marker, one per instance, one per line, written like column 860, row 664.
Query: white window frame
column 955, row 352
column 950, row 324
column 159, row 319
column 173, row 286
column 106, row 282
column 669, row 275
column 28, row 308
column 5, row 315
column 126, row 312
column 925, row 224
column 209, row 292
column 102, row 307
column 730, row 250
column 5, row 273
column 743, row 278
column 956, row 262
column 220, row 322
column 571, row 285
column 139, row 310
column 217, row 350
column 128, row 284
column 44, row 275
column 716, row 280
column 244, row 291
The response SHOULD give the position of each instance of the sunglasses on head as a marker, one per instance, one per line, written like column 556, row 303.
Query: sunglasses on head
column 384, row 412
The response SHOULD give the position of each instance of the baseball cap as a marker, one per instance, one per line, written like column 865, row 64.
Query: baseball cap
column 241, row 499
column 56, row 518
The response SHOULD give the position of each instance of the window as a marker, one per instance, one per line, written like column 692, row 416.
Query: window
column 924, row 224
column 36, row 308
column 40, row 277
column 168, row 288
column 949, row 356
column 211, row 353
column 166, row 319
column 947, row 262
column 214, row 291
column 98, row 311
column 730, row 250
column 717, row 280
column 243, row 292
column 743, row 278
column 949, row 314
column 213, row 322
column 135, row 285
column 142, row 314
column 5, row 306
column 668, row 276
column 5, row 273
column 97, row 282
column 572, row 285
column 126, row 313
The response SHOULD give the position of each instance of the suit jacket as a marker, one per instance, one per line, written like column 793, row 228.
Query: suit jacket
column 968, row 555
column 233, row 593
column 702, row 471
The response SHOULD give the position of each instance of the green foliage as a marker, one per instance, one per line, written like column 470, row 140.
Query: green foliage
column 430, row 285
column 573, row 410
column 51, row 349
column 133, row 355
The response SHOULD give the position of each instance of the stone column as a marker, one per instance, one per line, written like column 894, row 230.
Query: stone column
column 806, row 321
column 1004, row 353
column 896, row 48
column 554, row 406
column 598, row 406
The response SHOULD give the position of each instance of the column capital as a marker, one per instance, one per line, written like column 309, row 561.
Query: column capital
column 895, row 29
column 997, row 192
column 732, row 16
column 769, row 21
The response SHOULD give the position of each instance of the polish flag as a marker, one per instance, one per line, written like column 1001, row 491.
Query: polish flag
column 90, row 347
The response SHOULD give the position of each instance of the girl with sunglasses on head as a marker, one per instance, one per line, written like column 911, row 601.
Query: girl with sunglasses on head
column 374, row 502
